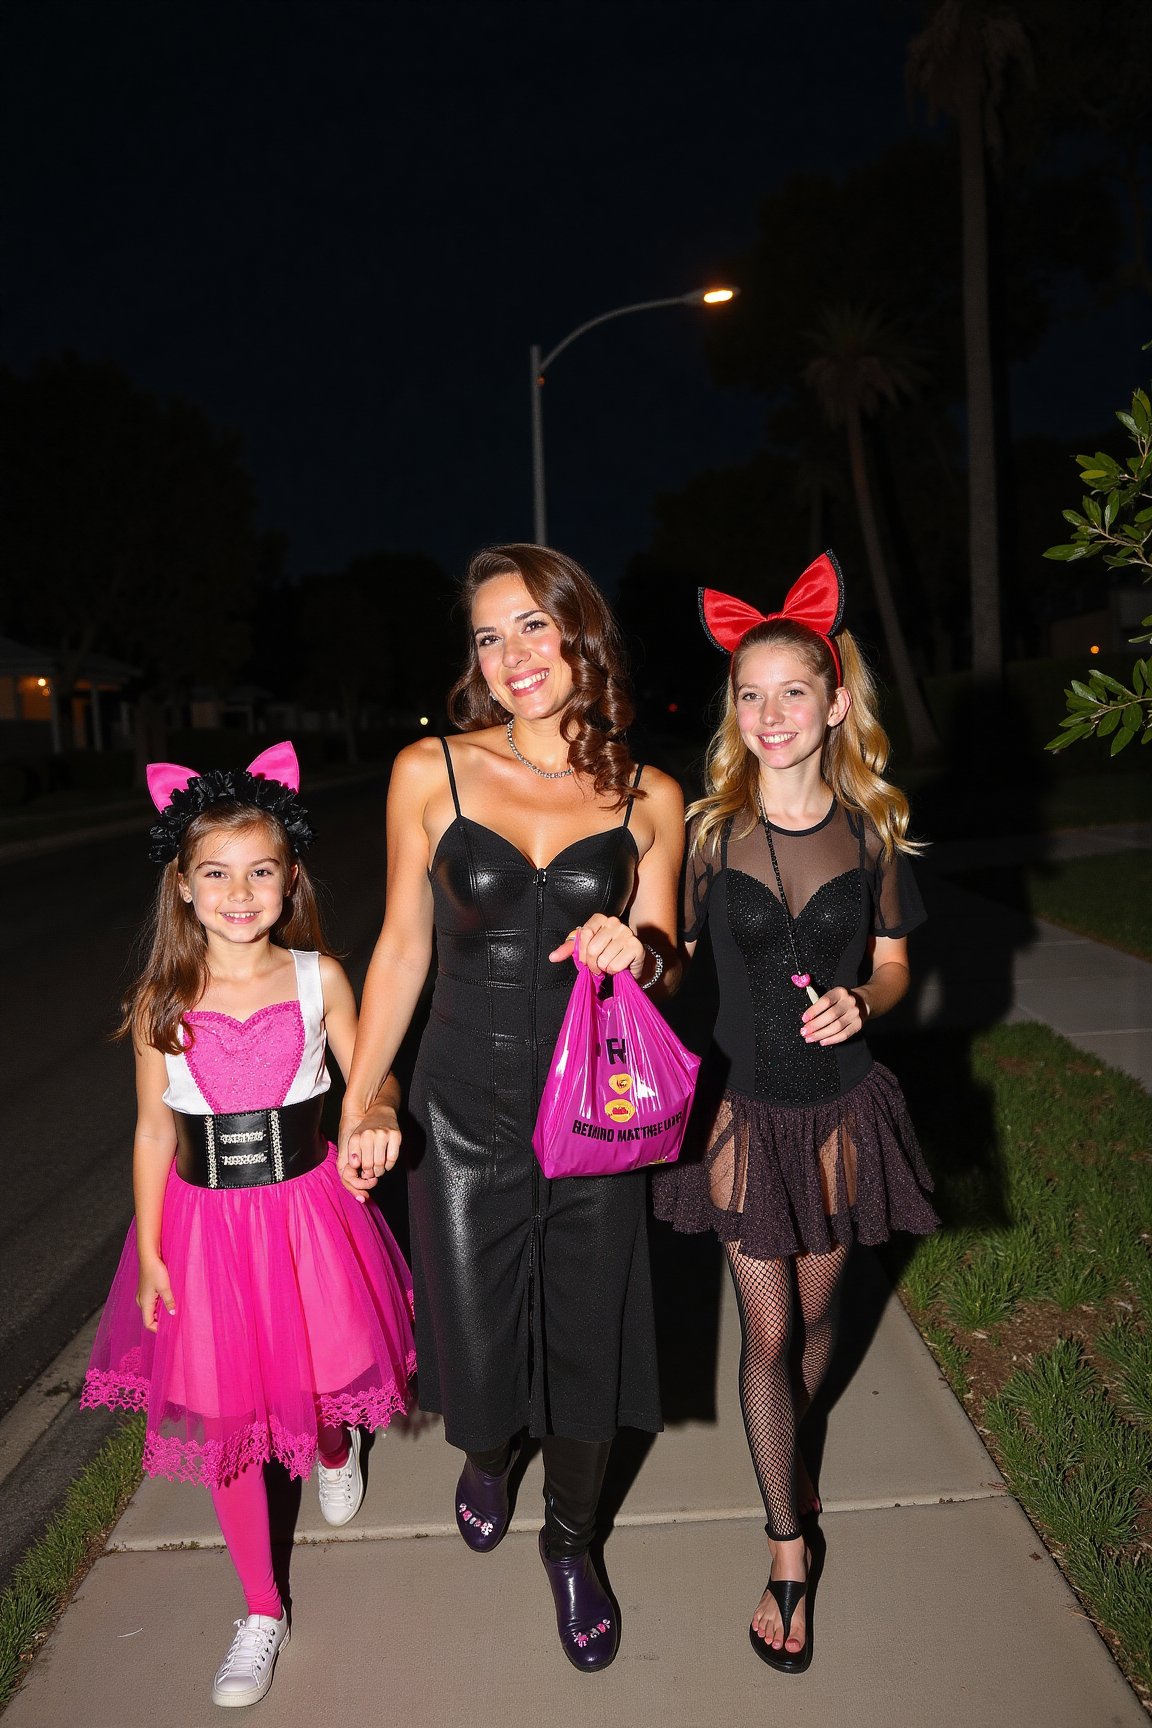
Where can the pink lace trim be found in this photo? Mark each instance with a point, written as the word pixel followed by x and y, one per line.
pixel 213 1461
pixel 117 1391
pixel 372 1408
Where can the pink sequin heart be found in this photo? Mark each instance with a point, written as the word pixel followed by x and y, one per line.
pixel 801 979
pixel 246 1064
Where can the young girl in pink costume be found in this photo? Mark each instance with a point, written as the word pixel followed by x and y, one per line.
pixel 259 1310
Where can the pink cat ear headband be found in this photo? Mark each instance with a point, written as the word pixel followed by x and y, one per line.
pixel 815 599
pixel 270 782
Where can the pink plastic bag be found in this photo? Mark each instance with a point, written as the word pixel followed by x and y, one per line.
pixel 620 1086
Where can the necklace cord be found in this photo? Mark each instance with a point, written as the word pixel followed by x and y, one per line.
pixel 788 919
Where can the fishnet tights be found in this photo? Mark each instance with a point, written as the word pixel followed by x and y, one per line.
pixel 772 1404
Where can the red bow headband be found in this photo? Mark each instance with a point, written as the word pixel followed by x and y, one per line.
pixel 270 782
pixel 816 600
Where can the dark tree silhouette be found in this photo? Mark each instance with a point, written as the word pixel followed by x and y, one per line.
pixel 862 361
pixel 126 526
pixel 381 631
pixel 962 61
pixel 889 235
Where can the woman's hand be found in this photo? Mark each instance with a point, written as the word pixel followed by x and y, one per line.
pixel 154 1286
pixel 833 1018
pixel 604 945
pixel 368 1148
pixel 839 1014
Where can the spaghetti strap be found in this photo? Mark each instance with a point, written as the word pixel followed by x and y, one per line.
pixel 631 800
pixel 451 775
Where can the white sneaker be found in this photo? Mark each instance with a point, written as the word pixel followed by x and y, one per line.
pixel 341 1491
pixel 246 1672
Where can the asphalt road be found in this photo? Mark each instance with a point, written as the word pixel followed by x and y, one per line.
pixel 68 923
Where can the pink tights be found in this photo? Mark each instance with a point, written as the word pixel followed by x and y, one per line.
pixel 242 1509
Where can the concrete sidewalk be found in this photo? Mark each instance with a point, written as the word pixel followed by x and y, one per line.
pixel 978 963
pixel 938 1603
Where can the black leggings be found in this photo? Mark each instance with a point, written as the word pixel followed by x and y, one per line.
pixel 573 1477
pixel 772 1404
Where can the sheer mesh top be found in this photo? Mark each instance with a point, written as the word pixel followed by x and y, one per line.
pixel 840 892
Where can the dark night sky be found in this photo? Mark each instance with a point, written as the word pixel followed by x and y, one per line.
pixel 338 227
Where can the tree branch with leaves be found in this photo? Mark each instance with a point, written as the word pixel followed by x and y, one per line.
pixel 1113 523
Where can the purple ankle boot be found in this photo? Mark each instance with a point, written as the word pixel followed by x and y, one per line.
pixel 585 1614
pixel 482 1505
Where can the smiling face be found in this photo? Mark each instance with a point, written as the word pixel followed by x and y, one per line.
pixel 518 646
pixel 782 706
pixel 236 884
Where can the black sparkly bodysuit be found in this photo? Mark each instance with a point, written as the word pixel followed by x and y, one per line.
pixel 810 1145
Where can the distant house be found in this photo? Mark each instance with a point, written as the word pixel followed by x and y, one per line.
pixel 38 718
pixel 239 709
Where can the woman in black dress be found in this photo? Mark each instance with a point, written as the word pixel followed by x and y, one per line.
pixel 797 862
pixel 530 835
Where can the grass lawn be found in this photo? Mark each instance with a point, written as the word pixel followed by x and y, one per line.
pixel 1036 1298
pixel 1109 897
pixel 1086 800
pixel 43 1582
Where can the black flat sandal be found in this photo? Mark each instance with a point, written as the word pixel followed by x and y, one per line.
pixel 789 1594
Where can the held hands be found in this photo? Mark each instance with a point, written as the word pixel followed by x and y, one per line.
pixel 833 1018
pixel 368 1150
pixel 154 1286
pixel 604 945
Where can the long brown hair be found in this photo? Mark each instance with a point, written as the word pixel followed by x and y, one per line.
pixel 853 757
pixel 174 973
pixel 600 709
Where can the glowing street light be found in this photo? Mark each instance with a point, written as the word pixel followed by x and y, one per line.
pixel 538 366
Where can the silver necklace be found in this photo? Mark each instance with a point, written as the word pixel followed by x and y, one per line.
pixel 544 773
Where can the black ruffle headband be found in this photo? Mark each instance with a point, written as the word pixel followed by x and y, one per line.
pixel 227 786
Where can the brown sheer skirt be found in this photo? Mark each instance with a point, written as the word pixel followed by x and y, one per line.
pixel 798 1179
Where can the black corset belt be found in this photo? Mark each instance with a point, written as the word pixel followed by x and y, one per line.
pixel 250 1148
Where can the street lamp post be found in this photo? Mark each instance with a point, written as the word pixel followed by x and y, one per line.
pixel 539 365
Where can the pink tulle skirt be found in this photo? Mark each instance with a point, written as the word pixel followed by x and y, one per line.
pixel 293 1309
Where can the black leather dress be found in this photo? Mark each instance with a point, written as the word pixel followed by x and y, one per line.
pixel 533 1298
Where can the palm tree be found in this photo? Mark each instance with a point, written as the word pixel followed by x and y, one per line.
pixel 818 478
pixel 863 361
pixel 961 61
